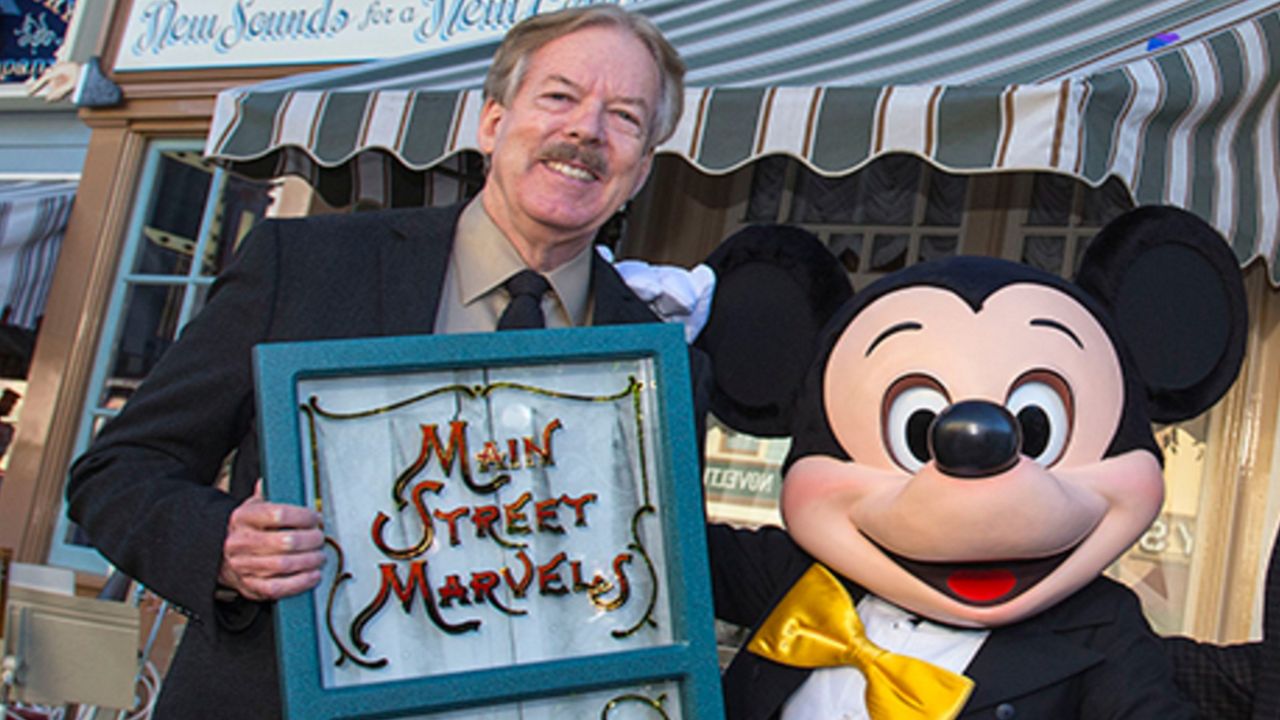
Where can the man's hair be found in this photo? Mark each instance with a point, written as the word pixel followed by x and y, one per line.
pixel 512 58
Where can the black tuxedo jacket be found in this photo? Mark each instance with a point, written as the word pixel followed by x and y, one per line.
pixel 144 490
pixel 1092 656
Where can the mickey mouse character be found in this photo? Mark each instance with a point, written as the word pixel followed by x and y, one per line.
pixel 971 449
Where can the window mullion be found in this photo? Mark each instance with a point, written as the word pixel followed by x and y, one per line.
pixel 212 206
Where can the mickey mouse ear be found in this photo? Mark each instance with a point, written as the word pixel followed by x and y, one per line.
pixel 776 286
pixel 1173 287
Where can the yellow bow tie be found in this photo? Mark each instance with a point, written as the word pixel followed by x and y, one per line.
pixel 816 626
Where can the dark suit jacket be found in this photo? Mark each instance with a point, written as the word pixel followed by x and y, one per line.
pixel 143 491
pixel 1092 656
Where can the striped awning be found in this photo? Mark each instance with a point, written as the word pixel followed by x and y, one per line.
pixel 1177 99
pixel 33 218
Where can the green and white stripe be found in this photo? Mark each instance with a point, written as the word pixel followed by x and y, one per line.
pixel 970 85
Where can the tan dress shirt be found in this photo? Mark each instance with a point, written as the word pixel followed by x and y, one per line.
pixel 473 298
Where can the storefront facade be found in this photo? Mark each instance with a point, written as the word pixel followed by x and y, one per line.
pixel 42 149
pixel 155 220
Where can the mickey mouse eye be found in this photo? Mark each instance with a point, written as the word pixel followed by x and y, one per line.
pixel 910 407
pixel 1041 401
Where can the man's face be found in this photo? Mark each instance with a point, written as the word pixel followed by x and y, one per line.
pixel 572 145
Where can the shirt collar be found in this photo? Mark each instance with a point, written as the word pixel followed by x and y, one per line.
pixel 485 259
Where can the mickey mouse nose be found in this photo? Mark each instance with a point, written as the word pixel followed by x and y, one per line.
pixel 975 439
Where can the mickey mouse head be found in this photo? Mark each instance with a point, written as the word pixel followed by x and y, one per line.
pixel 973 442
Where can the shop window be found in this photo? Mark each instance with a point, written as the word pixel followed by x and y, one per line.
pixel 896 212
pixel 1158 567
pixel 189 217
pixel 743 476
pixel 1052 218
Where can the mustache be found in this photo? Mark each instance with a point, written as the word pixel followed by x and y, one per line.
pixel 584 155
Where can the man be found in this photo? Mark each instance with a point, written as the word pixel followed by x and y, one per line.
pixel 575 103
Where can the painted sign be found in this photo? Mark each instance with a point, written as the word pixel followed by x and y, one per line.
pixel 512 521
pixel 187 34
pixel 486 515
pixel 31 31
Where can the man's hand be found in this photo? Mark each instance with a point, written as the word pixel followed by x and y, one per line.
pixel 272 550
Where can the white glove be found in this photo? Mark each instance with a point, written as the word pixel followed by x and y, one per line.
pixel 672 292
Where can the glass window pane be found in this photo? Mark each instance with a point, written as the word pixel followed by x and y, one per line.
pixel 946 197
pixel 821 199
pixel 739 444
pixel 848 248
pixel 889 190
pixel 1158 567
pixel 1050 201
pixel 242 204
pixel 768 176
pixel 115 393
pixel 742 476
pixel 148 328
pixel 884 193
pixel 935 247
pixel 1044 252
pixel 1104 204
pixel 164 253
pixel 1082 245
pixel 171 227
pixel 888 253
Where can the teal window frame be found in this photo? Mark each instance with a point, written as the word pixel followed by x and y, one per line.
pixel 63 552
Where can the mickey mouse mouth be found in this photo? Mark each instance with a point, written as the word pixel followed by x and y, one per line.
pixel 981 584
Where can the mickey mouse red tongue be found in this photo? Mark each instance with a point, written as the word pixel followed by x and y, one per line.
pixel 981 584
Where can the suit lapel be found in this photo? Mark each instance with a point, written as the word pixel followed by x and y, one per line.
pixel 1017 662
pixel 1036 653
pixel 412 265
pixel 762 686
pixel 615 304
pixel 756 688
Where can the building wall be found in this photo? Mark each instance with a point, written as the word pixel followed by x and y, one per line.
pixel 42 143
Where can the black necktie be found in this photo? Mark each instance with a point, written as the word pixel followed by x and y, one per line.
pixel 524 311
